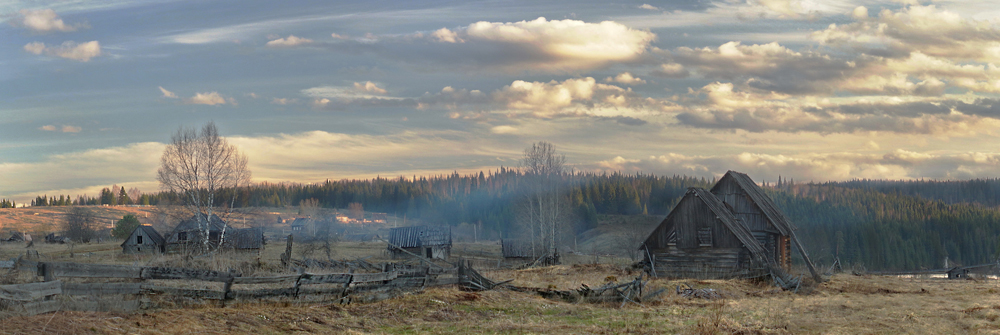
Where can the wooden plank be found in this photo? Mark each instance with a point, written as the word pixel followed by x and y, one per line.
pixel 321 291
pixel 81 270
pixel 180 273
pixel 374 277
pixel 40 307
pixel 266 280
pixel 6 264
pixel 451 271
pixel 32 291
pixel 440 281
pixel 262 293
pixel 334 278
pixel 101 305
pixel 103 288
pixel 193 293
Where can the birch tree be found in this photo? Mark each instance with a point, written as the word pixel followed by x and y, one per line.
pixel 546 204
pixel 198 167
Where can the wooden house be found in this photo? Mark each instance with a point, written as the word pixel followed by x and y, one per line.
pixel 308 228
pixel 519 250
pixel 189 235
pixel 733 231
pixel 144 239
pixel 426 241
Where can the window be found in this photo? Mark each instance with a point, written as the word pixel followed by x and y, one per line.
pixel 182 236
pixel 704 237
pixel 138 239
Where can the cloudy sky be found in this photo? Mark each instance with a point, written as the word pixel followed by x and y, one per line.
pixel 313 90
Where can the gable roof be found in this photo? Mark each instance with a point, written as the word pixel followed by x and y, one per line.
pixel 151 233
pixel 249 238
pixel 419 236
pixel 759 198
pixel 215 224
pixel 300 221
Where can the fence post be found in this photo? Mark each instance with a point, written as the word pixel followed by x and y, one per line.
pixel 227 288
pixel 287 256
pixel 298 281
pixel 343 294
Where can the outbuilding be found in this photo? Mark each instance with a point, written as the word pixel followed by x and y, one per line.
pixel 144 239
pixel 433 242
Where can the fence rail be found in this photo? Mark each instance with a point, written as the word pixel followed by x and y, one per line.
pixel 37 298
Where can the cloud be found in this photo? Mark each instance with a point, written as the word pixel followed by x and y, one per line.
pixel 167 94
pixel 70 50
pixel 503 130
pixel 339 37
pixel 282 101
pixel 788 8
pixel 208 98
pixel 369 87
pixel 289 41
pixel 64 128
pixel 540 44
pixel 625 78
pixel 671 70
pixel 647 6
pixel 43 21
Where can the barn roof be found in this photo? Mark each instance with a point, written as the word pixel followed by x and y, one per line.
pixel 420 236
pixel 151 233
pixel 761 199
pixel 249 238
pixel 516 248
pixel 300 222
pixel 216 224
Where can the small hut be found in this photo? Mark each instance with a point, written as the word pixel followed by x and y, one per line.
pixel 432 242
pixel 518 250
pixel 16 236
pixel 144 239
pixel 188 234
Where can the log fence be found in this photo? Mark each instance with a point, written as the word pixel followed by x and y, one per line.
pixel 59 291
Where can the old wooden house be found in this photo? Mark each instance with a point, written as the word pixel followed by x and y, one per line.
pixel 519 250
pixel 734 230
pixel 144 239
pixel 189 235
pixel 426 241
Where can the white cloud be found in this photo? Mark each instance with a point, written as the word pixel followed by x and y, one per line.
pixel 290 41
pixel 625 78
pixel 503 130
pixel 70 50
pixel 64 128
pixel 282 101
pixel 554 45
pixel 71 129
pixel 167 94
pixel 369 87
pixel 47 128
pixel 43 21
pixel 208 98
pixel 339 36
pixel 319 103
pixel 648 7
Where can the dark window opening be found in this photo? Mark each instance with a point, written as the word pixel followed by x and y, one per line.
pixel 182 236
pixel 212 236
pixel 138 239
pixel 705 237
pixel 429 254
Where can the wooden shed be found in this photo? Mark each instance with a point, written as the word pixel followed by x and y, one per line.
pixel 188 235
pixel 735 230
pixel 249 239
pixel 426 241
pixel 144 239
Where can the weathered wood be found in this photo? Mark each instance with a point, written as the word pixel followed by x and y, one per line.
pixel 82 270
pixel 266 280
pixel 321 291
pixel 103 288
pixel 179 273
pixel 6 264
pixel 334 278
pixel 287 256
pixel 40 307
pixel 440 281
pixel 374 277
pixel 193 293
pixel 101 305
pixel 29 292
pixel 262 293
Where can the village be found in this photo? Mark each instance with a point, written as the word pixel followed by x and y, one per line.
pixel 716 252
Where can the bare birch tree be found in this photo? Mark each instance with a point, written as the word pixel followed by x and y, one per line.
pixel 546 205
pixel 199 166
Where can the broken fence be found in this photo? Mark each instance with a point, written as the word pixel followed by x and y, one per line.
pixel 38 298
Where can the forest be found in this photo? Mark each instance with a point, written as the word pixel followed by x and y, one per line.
pixel 878 224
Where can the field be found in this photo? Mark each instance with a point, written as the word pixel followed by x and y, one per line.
pixel 846 304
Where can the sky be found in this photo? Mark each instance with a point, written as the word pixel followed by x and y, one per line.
pixel 91 91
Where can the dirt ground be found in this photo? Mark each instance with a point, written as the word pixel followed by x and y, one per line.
pixel 846 304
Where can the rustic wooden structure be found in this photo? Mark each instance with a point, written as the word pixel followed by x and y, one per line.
pixel 518 250
pixel 433 242
pixel 144 239
pixel 733 231
pixel 249 239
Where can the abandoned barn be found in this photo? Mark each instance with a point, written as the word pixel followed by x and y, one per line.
pixel 188 233
pixel 427 241
pixel 144 239
pixel 248 239
pixel 733 231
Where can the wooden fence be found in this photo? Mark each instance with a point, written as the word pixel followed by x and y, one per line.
pixel 56 292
